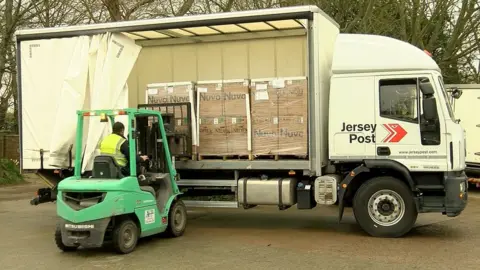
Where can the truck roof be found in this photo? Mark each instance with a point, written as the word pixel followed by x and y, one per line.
pixel 177 25
pixel 356 53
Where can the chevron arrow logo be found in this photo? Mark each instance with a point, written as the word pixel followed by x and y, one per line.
pixel 395 133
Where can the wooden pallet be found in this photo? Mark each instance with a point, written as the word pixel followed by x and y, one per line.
pixel 278 157
pixel 251 157
pixel 186 157
pixel 224 157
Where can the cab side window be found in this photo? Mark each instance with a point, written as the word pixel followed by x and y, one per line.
pixel 399 99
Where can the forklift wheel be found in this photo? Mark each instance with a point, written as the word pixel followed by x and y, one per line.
pixel 58 241
pixel 125 236
pixel 177 219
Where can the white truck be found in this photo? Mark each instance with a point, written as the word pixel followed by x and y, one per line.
pixel 465 97
pixel 380 133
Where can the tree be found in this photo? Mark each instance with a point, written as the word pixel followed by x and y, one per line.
pixel 449 29
pixel 14 14
pixel 123 10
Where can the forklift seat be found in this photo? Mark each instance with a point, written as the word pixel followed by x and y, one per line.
pixel 106 167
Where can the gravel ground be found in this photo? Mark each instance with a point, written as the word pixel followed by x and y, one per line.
pixel 259 238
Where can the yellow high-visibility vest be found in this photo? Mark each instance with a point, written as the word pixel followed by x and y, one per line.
pixel 110 146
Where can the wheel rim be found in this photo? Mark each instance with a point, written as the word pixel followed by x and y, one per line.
pixel 128 236
pixel 178 219
pixel 386 207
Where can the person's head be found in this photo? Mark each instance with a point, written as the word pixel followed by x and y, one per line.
pixel 118 128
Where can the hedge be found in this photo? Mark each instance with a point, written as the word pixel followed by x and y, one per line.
pixel 9 172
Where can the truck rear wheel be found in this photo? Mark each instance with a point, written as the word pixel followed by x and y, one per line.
pixel 59 242
pixel 125 236
pixel 177 219
pixel 384 207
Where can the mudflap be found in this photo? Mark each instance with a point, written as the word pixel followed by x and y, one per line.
pixel 89 234
pixel 456 197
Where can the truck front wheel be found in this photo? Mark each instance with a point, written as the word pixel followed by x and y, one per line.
pixel 384 207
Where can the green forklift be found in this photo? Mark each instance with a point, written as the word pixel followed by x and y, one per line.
pixel 108 207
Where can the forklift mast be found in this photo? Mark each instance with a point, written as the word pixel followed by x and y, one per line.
pixel 177 120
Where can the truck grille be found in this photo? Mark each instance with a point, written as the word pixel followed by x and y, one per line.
pixel 82 200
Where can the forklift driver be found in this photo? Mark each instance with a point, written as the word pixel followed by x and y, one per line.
pixel 116 145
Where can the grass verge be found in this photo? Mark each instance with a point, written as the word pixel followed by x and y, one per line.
pixel 10 173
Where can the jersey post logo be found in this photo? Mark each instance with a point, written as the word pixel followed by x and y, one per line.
pixel 395 133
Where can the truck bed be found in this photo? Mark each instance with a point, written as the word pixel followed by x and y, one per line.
pixel 243 165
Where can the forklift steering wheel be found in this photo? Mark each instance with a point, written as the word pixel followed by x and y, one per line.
pixel 143 169
pixel 146 165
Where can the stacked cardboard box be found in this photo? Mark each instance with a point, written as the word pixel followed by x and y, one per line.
pixel 222 112
pixel 279 111
pixel 221 115
pixel 174 93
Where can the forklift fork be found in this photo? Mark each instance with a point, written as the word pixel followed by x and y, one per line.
pixel 51 178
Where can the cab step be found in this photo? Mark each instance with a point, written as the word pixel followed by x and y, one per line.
pixel 431 187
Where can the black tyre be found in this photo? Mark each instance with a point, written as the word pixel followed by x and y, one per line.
pixel 125 236
pixel 177 219
pixel 384 207
pixel 59 243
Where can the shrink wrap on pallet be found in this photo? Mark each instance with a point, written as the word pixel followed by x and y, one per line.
pixel 223 108
pixel 223 136
pixel 279 111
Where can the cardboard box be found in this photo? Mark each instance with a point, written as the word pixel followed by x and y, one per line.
pixel 235 97
pixel 223 136
pixel 175 93
pixel 216 98
pixel 212 136
pixel 210 99
pixel 293 98
pixel 222 108
pixel 264 99
pixel 293 136
pixel 172 93
pixel 279 108
pixel 264 135
pixel 237 135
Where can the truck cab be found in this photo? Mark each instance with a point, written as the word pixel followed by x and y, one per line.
pixel 389 111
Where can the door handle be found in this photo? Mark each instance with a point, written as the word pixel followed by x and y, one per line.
pixel 383 151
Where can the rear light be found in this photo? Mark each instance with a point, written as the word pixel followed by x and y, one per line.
pixel 113 113
pixel 428 53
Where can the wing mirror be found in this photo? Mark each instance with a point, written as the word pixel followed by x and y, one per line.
pixel 456 93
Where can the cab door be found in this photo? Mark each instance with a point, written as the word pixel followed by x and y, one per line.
pixel 404 132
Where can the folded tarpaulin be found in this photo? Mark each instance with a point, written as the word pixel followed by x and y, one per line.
pixel 61 76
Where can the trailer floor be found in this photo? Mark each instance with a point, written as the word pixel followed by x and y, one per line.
pixel 261 238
